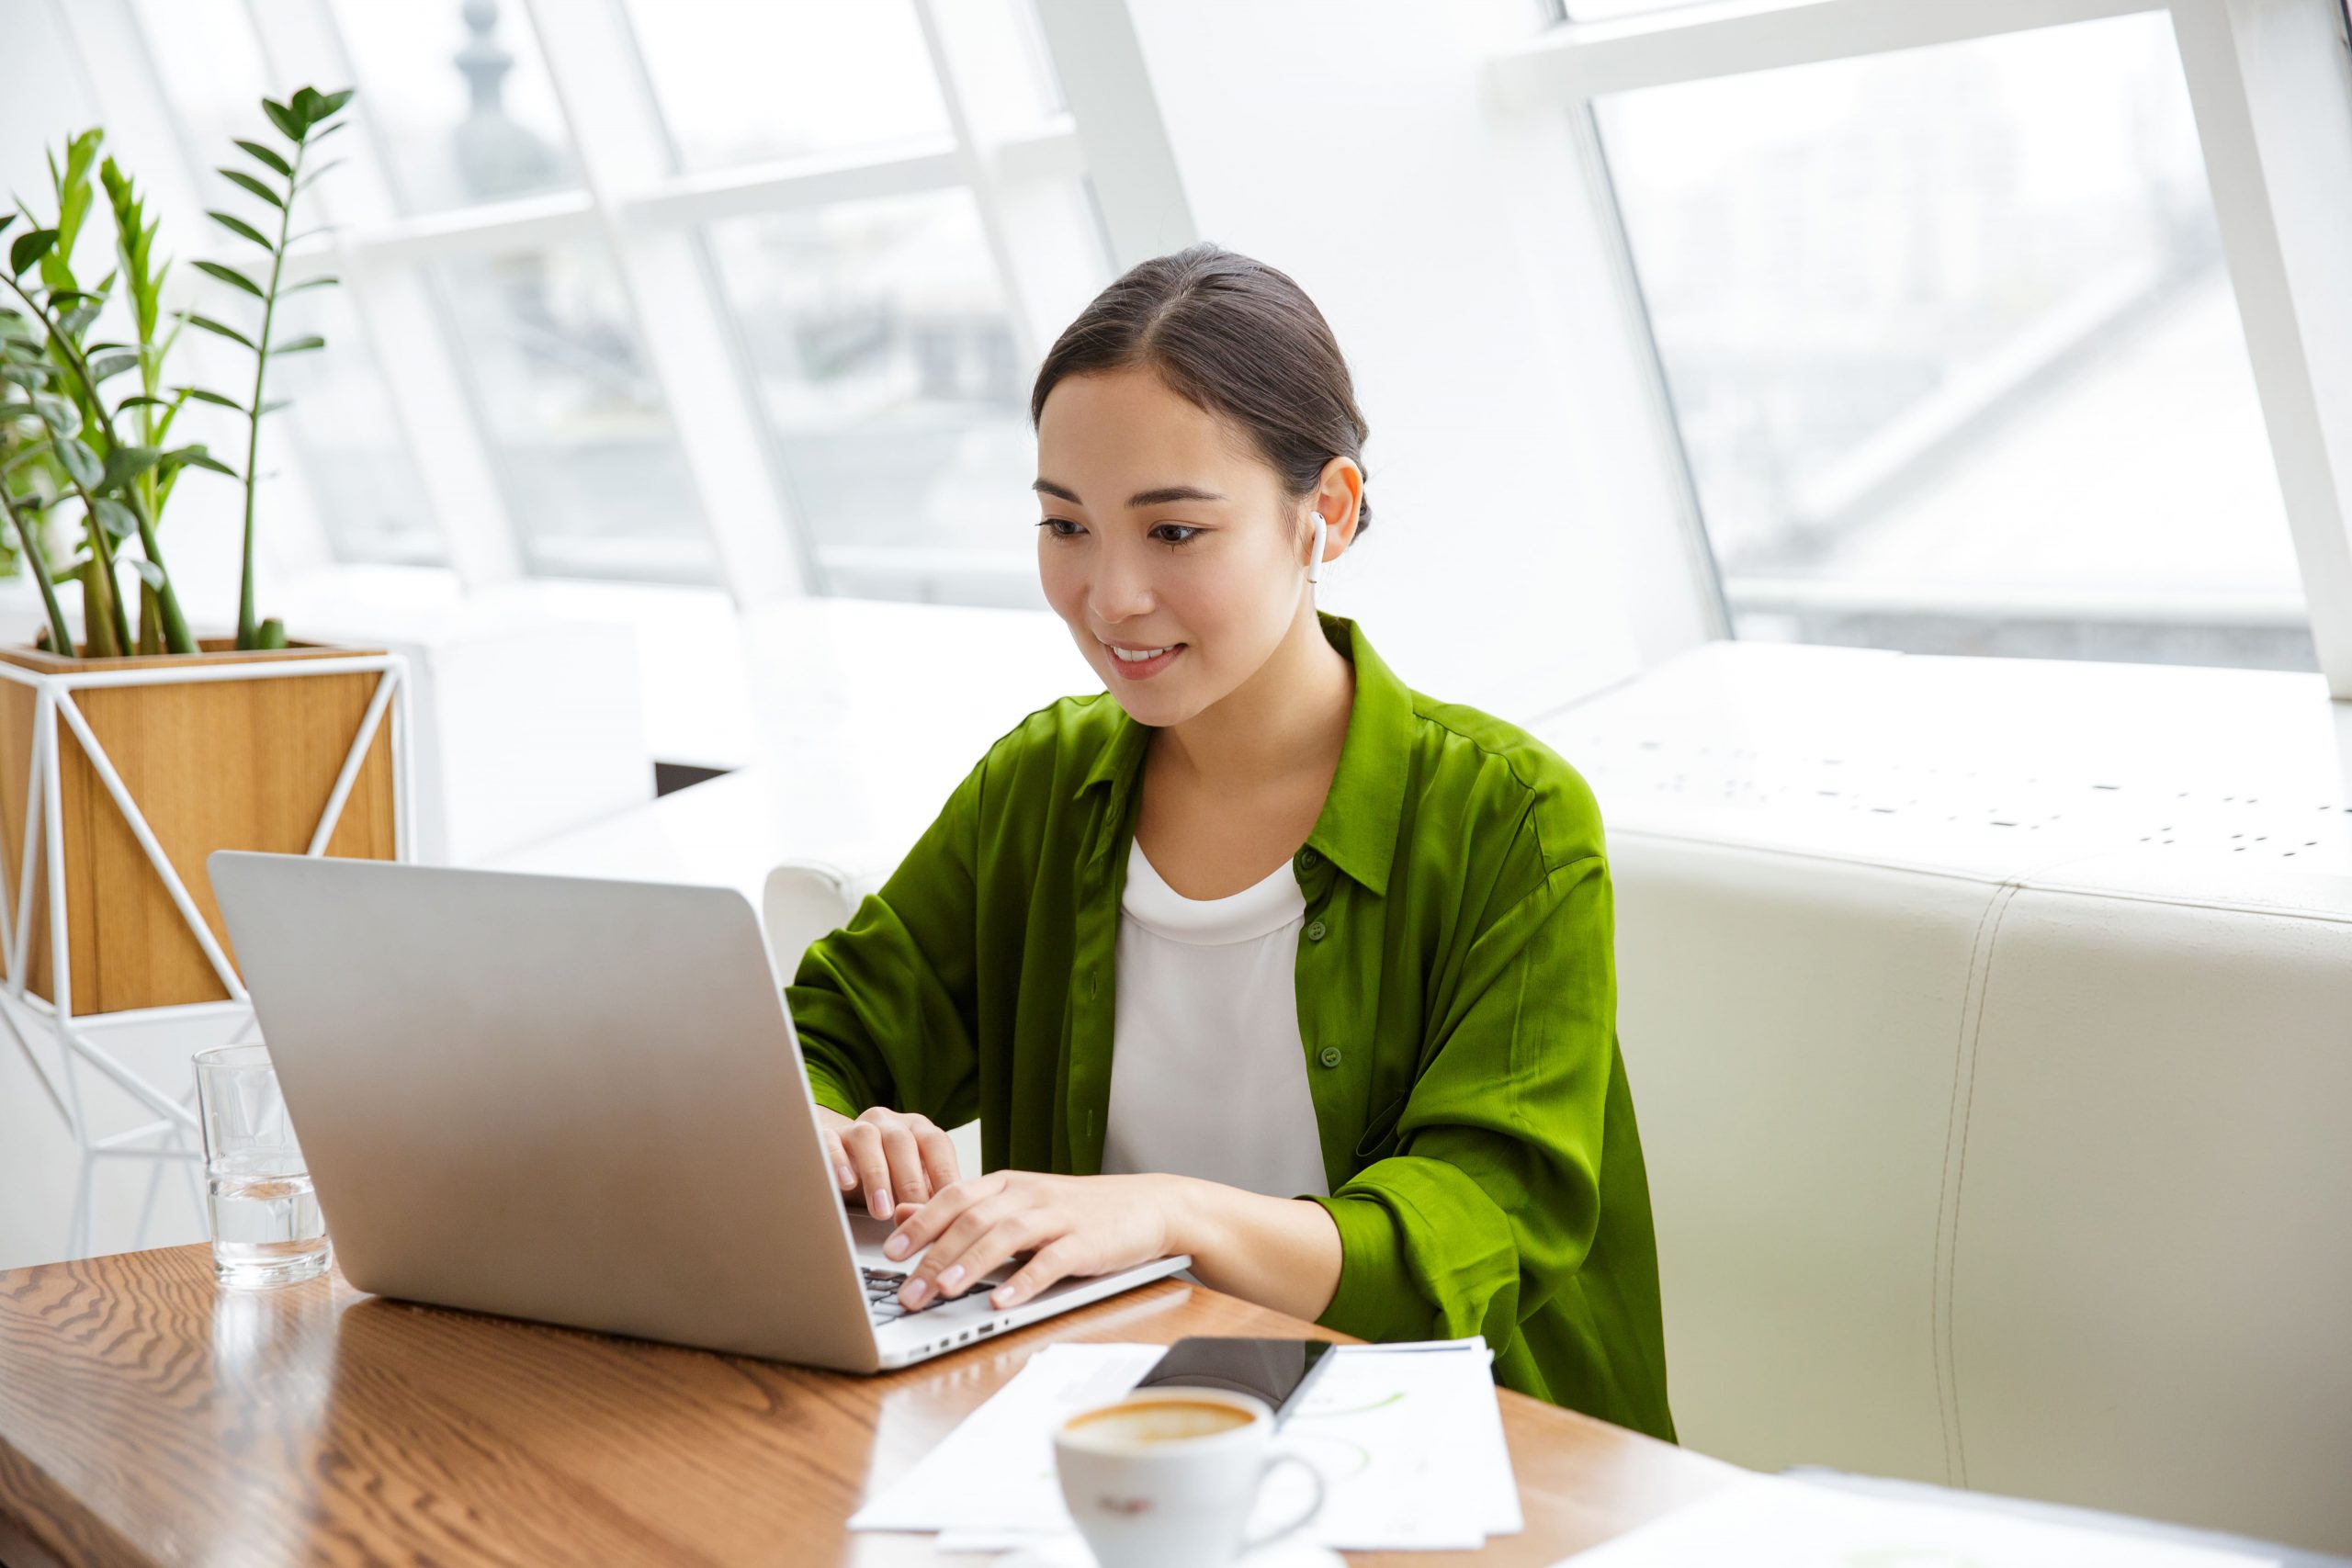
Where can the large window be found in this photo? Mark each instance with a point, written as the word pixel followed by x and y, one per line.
pixel 1946 333
pixel 703 292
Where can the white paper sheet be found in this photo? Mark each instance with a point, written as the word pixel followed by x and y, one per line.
pixel 1408 1439
pixel 1787 1524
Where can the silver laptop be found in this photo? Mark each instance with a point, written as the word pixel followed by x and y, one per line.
pixel 578 1102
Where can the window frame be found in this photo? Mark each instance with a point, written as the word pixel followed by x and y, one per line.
pixel 2270 87
pixel 648 214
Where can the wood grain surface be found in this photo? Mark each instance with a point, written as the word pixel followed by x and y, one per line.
pixel 148 1417
pixel 223 764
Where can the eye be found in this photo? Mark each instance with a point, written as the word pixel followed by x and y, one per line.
pixel 1184 528
pixel 1054 525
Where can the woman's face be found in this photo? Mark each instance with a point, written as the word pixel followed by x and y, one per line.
pixel 1163 530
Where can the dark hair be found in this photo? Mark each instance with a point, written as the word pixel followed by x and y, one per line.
pixel 1233 337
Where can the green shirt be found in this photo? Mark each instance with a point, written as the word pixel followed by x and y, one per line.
pixel 1456 998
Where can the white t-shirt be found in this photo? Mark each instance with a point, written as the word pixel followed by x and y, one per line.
pixel 1208 1074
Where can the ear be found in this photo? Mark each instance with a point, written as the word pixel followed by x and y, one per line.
pixel 1337 495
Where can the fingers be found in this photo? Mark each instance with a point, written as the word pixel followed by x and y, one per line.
pixel 837 1161
pixel 938 1157
pixel 953 1264
pixel 907 1178
pixel 920 1229
pixel 863 1142
pixel 1051 1264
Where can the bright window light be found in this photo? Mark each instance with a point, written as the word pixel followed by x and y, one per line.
pixel 888 374
pixel 592 469
pixel 810 76
pixel 1953 352
pixel 461 100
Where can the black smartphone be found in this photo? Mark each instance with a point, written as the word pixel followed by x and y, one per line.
pixel 1277 1370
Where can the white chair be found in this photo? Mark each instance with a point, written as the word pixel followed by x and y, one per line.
pixel 803 900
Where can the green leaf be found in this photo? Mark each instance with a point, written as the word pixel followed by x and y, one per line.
pixel 196 458
pixel 318 135
pixel 125 463
pixel 29 376
pixel 240 178
pixel 78 321
pixel 232 333
pixel 117 519
pixel 106 365
pixel 30 248
pixel 79 461
pixel 323 280
pixel 230 276
pixel 300 345
pixel 202 395
pixel 282 118
pixel 272 634
pixel 240 228
pixel 142 401
pixel 268 158
pixel 307 181
pixel 35 449
pixel 274 404
pixel 6 219
pixel 57 413
pixel 333 102
pixel 148 572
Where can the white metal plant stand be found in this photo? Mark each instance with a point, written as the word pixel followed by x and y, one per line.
pixel 172 1135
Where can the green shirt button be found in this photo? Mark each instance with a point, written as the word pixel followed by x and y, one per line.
pixel 1315 932
pixel 1328 1055
pixel 1306 859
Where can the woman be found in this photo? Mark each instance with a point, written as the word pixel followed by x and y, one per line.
pixel 1257 955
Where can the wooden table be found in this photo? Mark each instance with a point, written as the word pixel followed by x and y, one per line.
pixel 147 1415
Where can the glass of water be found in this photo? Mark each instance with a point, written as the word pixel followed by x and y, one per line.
pixel 267 1229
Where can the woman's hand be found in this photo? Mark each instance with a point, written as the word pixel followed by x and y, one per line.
pixel 887 1157
pixel 1068 1225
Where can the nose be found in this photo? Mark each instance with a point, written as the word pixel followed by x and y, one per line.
pixel 1119 587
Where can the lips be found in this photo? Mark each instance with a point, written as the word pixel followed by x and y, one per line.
pixel 1145 669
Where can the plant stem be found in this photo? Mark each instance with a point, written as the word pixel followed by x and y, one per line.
pixel 175 633
pixel 101 595
pixel 60 635
pixel 248 622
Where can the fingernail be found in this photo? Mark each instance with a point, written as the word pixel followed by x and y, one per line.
pixel 881 1204
pixel 846 1177
pixel 1006 1295
pixel 895 1246
pixel 951 1277
pixel 917 1290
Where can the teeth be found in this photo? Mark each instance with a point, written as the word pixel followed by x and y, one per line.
pixel 1138 658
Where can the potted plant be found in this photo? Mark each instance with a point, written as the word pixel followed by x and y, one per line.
pixel 152 747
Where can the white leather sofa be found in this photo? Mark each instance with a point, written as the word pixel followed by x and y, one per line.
pixel 1990 1027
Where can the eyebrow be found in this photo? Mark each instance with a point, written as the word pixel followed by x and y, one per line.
pixel 1141 498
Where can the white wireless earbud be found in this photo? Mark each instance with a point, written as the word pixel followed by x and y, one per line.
pixel 1315 556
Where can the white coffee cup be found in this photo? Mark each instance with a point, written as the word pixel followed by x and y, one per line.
pixel 1166 1477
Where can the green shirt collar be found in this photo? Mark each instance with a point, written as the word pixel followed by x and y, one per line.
pixel 1357 829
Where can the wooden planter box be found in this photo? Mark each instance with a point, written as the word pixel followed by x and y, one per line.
pixel 221 763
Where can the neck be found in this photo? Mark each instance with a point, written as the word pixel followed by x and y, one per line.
pixel 1289 719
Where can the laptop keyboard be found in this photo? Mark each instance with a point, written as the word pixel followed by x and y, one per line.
pixel 882 1294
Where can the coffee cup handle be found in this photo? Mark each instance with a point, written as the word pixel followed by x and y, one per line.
pixel 1306 1515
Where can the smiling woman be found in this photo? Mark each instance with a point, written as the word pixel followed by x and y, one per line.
pixel 1258 955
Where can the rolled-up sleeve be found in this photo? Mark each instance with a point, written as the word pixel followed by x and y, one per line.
pixel 1491 1202
pixel 885 1007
